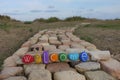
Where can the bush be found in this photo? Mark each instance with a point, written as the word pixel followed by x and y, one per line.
pixel 53 19
pixel 28 22
pixel 39 20
pixel 75 18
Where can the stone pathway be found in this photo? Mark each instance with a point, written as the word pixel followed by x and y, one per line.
pixel 99 66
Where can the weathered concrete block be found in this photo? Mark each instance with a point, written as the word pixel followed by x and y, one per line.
pixel 112 67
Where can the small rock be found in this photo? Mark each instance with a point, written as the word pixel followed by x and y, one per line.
pixel 49 47
pixel 43 39
pixel 56 67
pixel 86 66
pixel 75 39
pixel 10 71
pixel 52 38
pixel 31 67
pixel 33 40
pixel 55 42
pixel 111 66
pixel 40 75
pixel 16 78
pixel 76 45
pixel 98 75
pixel 99 55
pixel 44 44
pixel 63 47
pixel 66 42
pixel 68 75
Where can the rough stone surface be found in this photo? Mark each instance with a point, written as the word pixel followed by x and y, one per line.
pixel 33 40
pixel 56 67
pixel 43 39
pixel 66 42
pixel 10 71
pixel 87 66
pixel 76 45
pixel 112 66
pixel 68 75
pixel 26 44
pixel 55 42
pixel 99 55
pixel 16 78
pixel 63 47
pixel 49 47
pixel 40 75
pixel 20 52
pixel 31 67
pixel 9 62
pixel 98 75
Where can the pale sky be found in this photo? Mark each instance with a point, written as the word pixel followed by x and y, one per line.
pixel 32 9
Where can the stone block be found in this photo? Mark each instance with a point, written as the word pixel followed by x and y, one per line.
pixel 68 75
pixel 111 66
pixel 98 75
pixel 87 66
pixel 99 55
pixel 10 71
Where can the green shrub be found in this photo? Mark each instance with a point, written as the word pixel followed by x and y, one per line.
pixel 28 22
pixel 40 20
pixel 53 19
pixel 75 18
